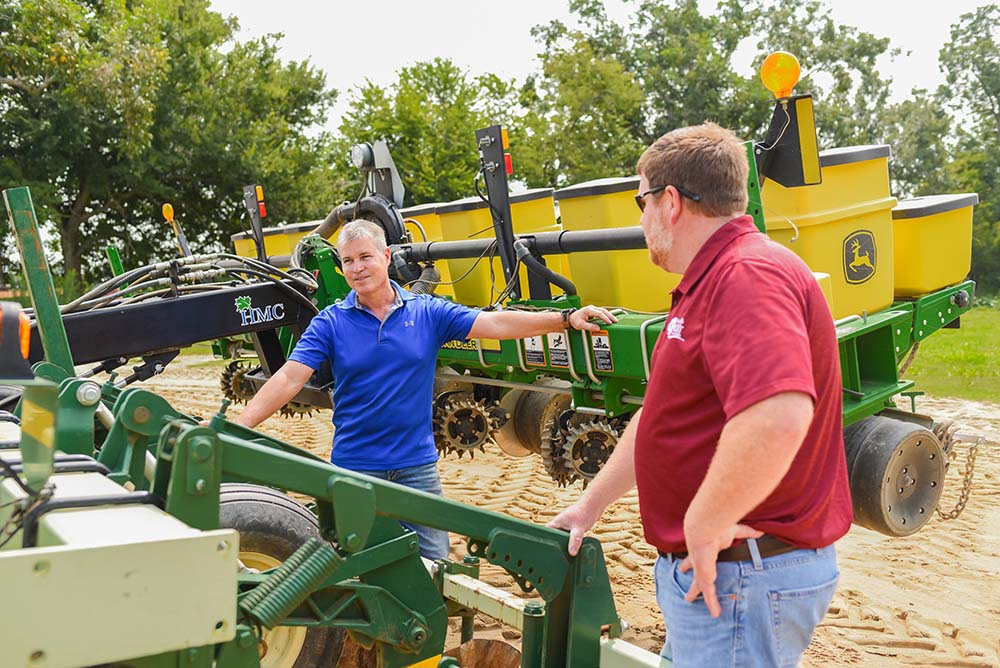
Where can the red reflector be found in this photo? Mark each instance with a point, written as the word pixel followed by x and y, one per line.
pixel 508 164
pixel 263 210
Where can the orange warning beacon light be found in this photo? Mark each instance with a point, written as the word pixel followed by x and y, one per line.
pixel 780 72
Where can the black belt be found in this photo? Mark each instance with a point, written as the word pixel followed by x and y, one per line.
pixel 768 546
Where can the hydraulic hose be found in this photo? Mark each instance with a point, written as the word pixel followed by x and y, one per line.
pixel 429 278
pixel 533 265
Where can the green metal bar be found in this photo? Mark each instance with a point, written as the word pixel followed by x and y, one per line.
pixel 754 207
pixel 21 212
pixel 532 638
pixel 115 260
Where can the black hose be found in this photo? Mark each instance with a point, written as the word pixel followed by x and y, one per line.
pixel 533 265
pixel 429 278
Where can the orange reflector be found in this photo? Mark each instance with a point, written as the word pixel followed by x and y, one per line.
pixel 168 212
pixel 508 164
pixel 262 209
pixel 260 194
pixel 504 139
pixel 780 72
pixel 24 329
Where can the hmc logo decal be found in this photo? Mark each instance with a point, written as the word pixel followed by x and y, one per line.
pixel 251 315
pixel 859 257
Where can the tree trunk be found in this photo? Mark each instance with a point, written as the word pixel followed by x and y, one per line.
pixel 71 219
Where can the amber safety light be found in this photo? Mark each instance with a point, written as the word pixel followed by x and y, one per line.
pixel 780 72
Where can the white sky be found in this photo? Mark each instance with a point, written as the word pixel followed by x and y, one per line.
pixel 352 41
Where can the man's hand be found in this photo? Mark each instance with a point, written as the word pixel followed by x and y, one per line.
pixel 703 553
pixel 580 318
pixel 577 519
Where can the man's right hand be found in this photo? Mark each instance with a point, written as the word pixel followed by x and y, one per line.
pixel 577 519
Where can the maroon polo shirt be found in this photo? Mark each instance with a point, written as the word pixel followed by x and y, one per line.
pixel 748 321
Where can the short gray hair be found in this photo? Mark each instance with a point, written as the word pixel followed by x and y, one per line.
pixel 362 229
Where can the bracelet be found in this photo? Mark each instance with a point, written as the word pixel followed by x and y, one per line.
pixel 566 313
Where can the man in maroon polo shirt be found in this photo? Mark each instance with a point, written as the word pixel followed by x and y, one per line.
pixel 738 450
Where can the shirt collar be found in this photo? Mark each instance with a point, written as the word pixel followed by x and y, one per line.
pixel 710 251
pixel 351 300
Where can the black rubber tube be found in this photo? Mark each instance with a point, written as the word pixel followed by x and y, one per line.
pixel 540 269
pixel 544 243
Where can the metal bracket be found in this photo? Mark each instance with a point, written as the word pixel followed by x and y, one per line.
pixel 535 563
pixel 353 527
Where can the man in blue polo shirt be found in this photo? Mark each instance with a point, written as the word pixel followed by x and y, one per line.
pixel 382 344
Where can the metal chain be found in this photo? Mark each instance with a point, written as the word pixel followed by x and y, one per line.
pixel 970 465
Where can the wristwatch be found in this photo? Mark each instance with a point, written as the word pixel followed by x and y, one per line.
pixel 566 313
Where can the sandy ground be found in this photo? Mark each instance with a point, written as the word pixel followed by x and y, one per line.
pixel 932 599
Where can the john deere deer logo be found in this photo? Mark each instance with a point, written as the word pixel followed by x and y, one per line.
pixel 859 257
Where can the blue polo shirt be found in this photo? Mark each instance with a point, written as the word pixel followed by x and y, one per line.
pixel 383 375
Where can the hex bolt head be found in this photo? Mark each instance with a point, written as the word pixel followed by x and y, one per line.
pixel 353 541
pixel 418 635
pixel 200 485
pixel 88 394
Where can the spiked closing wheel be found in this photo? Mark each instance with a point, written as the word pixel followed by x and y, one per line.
pixel 234 384
pixel 463 424
pixel 588 447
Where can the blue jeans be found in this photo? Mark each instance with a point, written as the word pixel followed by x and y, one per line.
pixel 434 543
pixel 769 610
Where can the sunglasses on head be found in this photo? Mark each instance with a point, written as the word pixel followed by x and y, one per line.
pixel 640 199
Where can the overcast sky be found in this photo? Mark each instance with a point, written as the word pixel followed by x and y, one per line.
pixel 352 41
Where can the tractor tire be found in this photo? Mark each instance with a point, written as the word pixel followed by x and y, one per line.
pixel 9 396
pixel 272 526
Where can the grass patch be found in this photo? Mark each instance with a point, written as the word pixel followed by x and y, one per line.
pixel 962 363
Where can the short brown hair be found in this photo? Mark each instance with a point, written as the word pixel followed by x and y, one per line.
pixel 705 159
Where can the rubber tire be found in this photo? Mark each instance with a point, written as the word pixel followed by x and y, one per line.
pixel 9 396
pixel 275 524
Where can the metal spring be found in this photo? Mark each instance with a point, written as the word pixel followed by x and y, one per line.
pixel 291 591
pixel 250 600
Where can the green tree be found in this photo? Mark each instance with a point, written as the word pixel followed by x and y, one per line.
pixel 919 131
pixel 583 113
pixel 971 61
pixel 428 117
pixel 113 107
pixel 839 63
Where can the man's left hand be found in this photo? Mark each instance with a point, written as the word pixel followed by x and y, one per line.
pixel 580 318
pixel 703 553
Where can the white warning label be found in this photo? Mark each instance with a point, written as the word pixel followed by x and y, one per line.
pixel 534 351
pixel 558 350
pixel 601 345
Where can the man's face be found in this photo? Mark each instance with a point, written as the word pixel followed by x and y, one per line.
pixel 656 224
pixel 365 267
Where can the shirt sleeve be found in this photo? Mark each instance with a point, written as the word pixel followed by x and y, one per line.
pixel 316 344
pixel 756 338
pixel 454 321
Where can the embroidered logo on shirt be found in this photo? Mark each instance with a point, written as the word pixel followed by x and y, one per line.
pixel 675 329
pixel 408 323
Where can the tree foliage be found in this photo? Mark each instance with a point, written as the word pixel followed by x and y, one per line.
pixel 428 117
pixel 113 107
pixel 971 61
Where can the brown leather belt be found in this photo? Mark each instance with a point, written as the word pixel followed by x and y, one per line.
pixel 768 546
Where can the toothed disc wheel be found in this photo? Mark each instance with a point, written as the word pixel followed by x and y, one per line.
pixel 552 448
pixel 465 425
pixel 296 408
pixel 235 386
pixel 588 447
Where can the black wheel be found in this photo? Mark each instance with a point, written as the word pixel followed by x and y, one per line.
pixel 896 471
pixel 272 526
pixel 9 396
